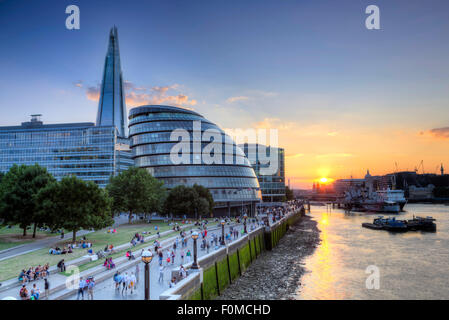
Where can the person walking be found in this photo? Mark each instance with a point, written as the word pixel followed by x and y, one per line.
pixel 46 288
pixel 117 280
pixel 125 281
pixel 132 282
pixel 173 257
pixel 90 289
pixel 81 286
pixel 182 255
pixel 161 274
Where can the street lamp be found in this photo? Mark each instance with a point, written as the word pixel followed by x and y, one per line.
pixel 222 232
pixel 244 223
pixel 147 256
pixel 195 262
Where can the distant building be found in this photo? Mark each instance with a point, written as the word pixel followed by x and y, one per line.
pixel 420 193
pixel 88 151
pixel 341 185
pixel 271 185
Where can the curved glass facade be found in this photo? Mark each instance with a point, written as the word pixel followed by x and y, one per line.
pixel 230 178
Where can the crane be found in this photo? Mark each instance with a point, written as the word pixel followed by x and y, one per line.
pixel 421 164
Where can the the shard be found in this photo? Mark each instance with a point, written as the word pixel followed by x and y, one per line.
pixel 111 107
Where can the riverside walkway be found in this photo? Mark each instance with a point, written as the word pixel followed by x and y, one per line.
pixel 105 288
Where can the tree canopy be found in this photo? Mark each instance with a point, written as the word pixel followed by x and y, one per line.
pixel 75 204
pixel 192 201
pixel 136 191
pixel 18 196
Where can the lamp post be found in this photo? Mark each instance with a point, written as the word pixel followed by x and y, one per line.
pixel 195 262
pixel 244 223
pixel 222 232
pixel 147 256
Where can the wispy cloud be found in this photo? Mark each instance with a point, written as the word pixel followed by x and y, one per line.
pixel 294 156
pixel 141 95
pixel 440 133
pixel 235 99
pixel 334 155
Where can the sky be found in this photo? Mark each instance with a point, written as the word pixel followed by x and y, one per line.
pixel 343 98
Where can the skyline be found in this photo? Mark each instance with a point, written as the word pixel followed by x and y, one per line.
pixel 344 99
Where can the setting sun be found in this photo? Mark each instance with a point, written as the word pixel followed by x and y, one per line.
pixel 324 180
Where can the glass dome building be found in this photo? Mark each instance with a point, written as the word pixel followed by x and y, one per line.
pixel 230 177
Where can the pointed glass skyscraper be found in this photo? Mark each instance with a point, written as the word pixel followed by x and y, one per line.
pixel 112 108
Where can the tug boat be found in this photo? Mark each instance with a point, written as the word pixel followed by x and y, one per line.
pixel 423 224
pixel 389 224
pixel 393 225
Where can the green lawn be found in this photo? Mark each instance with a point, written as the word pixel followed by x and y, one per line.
pixel 6 245
pixel 10 268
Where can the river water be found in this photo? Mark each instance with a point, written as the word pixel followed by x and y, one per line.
pixel 412 265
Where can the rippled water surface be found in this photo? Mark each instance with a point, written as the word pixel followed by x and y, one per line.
pixel 412 265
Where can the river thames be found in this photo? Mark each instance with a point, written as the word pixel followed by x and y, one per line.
pixel 412 265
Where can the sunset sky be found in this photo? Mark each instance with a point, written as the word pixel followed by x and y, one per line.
pixel 344 99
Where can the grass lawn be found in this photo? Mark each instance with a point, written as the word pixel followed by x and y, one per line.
pixel 10 268
pixel 6 245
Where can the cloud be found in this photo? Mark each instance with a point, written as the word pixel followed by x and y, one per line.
pixel 93 93
pixel 78 83
pixel 234 99
pixel 274 123
pixel 440 133
pixel 141 95
pixel 334 155
pixel 293 156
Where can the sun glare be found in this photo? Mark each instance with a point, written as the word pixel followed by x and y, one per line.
pixel 324 180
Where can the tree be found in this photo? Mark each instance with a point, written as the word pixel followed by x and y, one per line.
pixel 19 204
pixel 136 191
pixel 192 201
pixel 75 204
pixel 289 194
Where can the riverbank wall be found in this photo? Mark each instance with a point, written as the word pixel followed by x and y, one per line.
pixel 222 267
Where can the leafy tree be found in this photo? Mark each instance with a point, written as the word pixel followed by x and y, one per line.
pixel 75 204
pixel 289 194
pixel 136 191
pixel 205 194
pixel 191 201
pixel 19 204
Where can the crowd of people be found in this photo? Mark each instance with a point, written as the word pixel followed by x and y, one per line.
pixel 34 273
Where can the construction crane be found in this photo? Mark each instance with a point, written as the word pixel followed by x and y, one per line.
pixel 421 164
pixel 396 165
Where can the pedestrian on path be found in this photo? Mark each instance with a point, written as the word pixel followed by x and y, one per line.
pixel 90 289
pixel 81 286
pixel 47 288
pixel 132 282
pixel 125 282
pixel 161 274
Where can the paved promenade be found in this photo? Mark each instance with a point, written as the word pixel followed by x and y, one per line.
pixel 106 289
